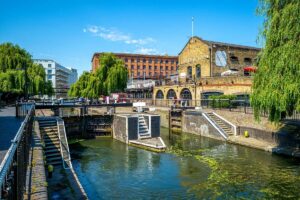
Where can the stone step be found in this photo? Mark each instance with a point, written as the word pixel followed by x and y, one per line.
pixel 52 143
pixel 53 146
pixel 54 163
pixel 53 154
pixel 53 159
pixel 47 140
pixel 53 150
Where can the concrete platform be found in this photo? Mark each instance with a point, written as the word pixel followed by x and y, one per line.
pixel 154 144
pixel 9 126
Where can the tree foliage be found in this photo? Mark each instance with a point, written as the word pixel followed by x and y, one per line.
pixel 276 86
pixel 111 76
pixel 13 63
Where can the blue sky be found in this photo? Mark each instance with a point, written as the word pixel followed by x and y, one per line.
pixel 70 31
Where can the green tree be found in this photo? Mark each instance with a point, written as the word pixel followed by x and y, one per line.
pixel 111 76
pixel 14 61
pixel 276 86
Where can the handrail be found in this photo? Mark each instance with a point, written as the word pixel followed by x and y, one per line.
pixel 63 147
pixel 234 126
pixel 215 126
pixel 9 156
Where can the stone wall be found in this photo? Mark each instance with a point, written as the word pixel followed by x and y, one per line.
pixel 120 128
pixel 194 122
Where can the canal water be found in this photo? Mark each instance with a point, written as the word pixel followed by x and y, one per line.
pixel 193 167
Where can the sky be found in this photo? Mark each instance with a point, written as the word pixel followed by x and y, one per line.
pixel 71 31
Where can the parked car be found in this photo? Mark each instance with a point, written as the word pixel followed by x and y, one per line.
pixel 230 72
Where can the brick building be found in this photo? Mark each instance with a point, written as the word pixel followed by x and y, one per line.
pixel 144 66
pixel 201 64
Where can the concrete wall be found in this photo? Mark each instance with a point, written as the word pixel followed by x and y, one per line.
pixel 164 116
pixel 194 122
pixel 120 128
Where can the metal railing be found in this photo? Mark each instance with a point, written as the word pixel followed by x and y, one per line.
pixel 14 165
pixel 63 141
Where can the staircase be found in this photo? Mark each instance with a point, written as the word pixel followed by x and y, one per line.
pixel 49 132
pixel 143 128
pixel 225 128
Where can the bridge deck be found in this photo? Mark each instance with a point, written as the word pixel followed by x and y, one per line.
pixel 9 126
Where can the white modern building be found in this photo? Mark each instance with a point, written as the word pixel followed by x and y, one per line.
pixel 60 76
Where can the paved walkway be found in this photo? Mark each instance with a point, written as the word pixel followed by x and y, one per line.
pixel 9 126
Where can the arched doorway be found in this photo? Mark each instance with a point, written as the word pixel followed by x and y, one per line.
pixel 185 97
pixel 159 94
pixel 171 94
pixel 159 98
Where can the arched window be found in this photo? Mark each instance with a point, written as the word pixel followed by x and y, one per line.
pixel 186 94
pixel 159 95
pixel 171 94
pixel 198 71
pixel 189 72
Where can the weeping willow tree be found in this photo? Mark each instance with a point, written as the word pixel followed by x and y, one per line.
pixel 111 76
pixel 13 63
pixel 276 86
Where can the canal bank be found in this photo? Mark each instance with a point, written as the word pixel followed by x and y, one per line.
pixel 193 167
pixel 283 139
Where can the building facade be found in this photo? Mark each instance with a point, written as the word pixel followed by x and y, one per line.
pixel 60 76
pixel 144 66
pixel 201 64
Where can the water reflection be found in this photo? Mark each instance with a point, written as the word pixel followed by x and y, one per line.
pixel 193 168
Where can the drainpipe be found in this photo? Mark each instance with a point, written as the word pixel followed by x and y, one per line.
pixel 210 60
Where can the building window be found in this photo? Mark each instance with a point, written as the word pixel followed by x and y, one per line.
pixel 248 61
pixel 144 67
pixel 138 73
pixel 172 68
pixel 198 71
pixel 126 59
pixel 138 67
pixel 126 66
pixel 138 60
pixel 49 65
pixel 189 72
pixel 144 60
pixel 132 66
pixel 166 61
pixel 150 61
pixel 156 60
pixel 150 67
pixel 221 58
pixel 167 68
pixel 234 59
pixel 161 61
pixel 172 61
pixel 166 74
pixel 150 73
pixel 49 71
pixel 49 77
pixel 132 60
pixel 155 67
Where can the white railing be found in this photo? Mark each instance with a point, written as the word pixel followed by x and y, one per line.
pixel 228 122
pixel 141 84
pixel 9 156
pixel 215 126
pixel 64 147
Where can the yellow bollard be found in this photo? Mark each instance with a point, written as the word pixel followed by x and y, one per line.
pixel 246 134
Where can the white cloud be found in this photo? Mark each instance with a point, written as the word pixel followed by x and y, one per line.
pixel 144 50
pixel 116 35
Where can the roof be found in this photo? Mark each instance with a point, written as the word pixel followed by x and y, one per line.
pixel 137 55
pixel 208 42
